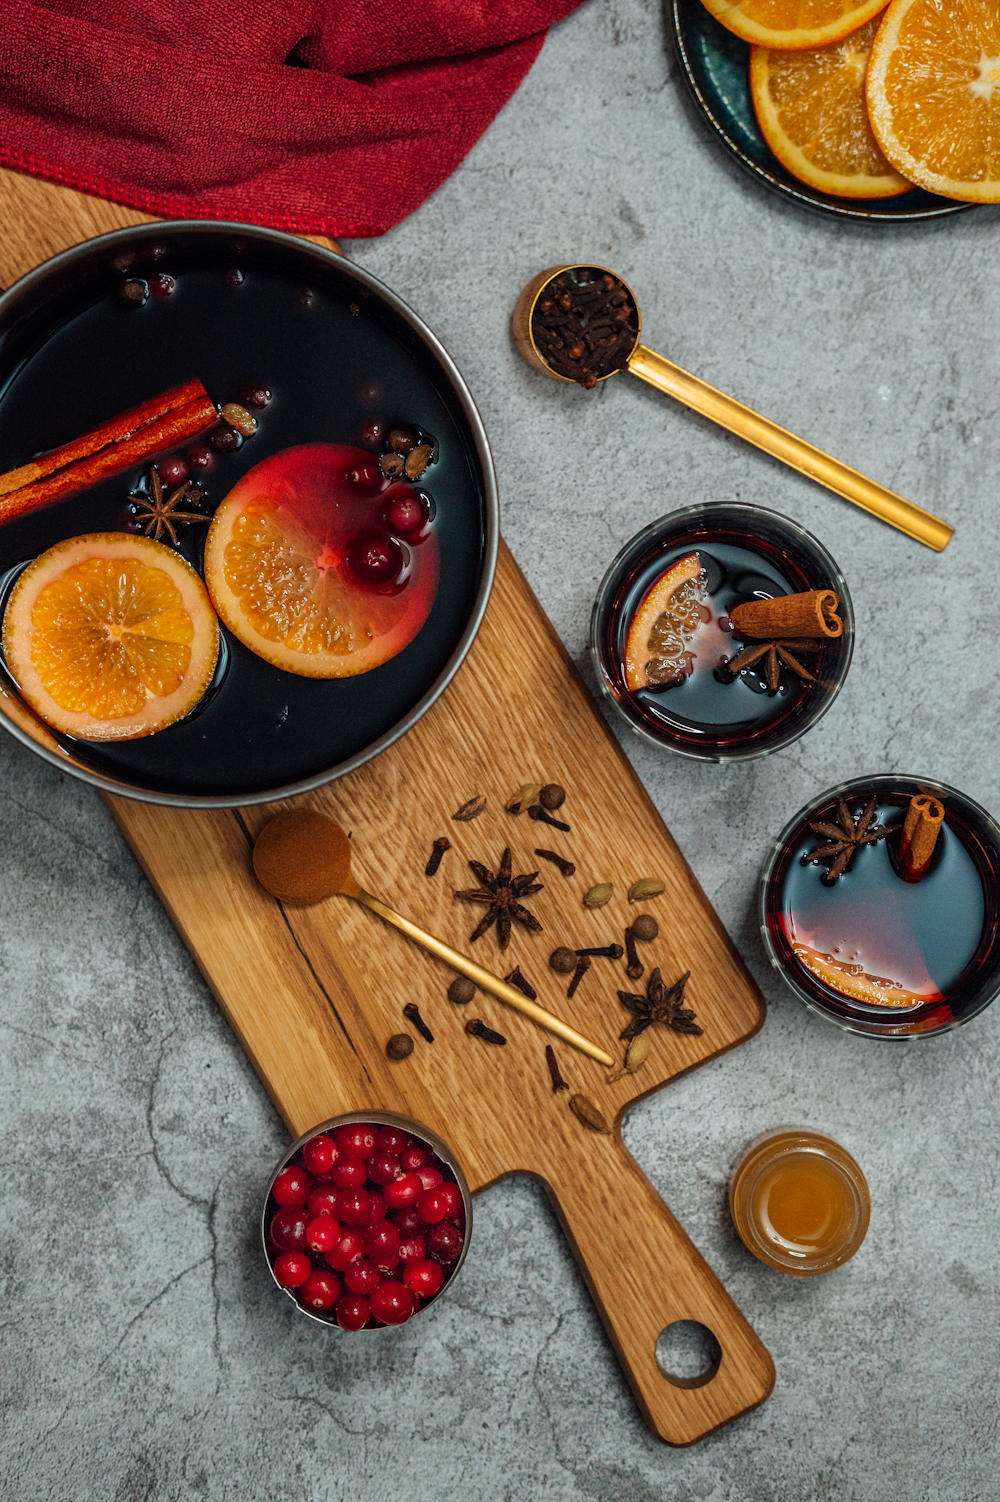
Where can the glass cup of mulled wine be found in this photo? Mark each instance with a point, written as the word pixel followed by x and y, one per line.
pixel 879 905
pixel 722 632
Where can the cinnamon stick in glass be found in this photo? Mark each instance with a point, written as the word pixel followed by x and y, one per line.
pixel 921 828
pixel 812 613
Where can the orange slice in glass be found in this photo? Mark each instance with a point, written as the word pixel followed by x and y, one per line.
pixel 811 109
pixel 854 981
pixel 110 637
pixel 793 24
pixel 933 95
pixel 657 650
pixel 278 565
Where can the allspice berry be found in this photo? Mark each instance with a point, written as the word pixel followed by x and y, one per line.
pixel 563 960
pixel 461 990
pixel 552 796
pixel 645 927
pixel 399 1046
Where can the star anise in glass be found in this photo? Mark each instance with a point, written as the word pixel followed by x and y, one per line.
pixel 500 895
pixel 659 1005
pixel 781 650
pixel 158 514
pixel 845 838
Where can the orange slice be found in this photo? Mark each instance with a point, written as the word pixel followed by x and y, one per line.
pixel 278 566
pixel 793 24
pixel 110 637
pixel 934 95
pixel 854 981
pixel 811 109
pixel 663 627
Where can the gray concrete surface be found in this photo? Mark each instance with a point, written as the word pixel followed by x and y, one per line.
pixel 145 1356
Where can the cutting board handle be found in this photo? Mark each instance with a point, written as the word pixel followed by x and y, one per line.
pixel 645 1274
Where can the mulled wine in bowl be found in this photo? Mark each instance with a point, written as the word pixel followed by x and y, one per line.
pixel 722 632
pixel 880 906
pixel 366 1221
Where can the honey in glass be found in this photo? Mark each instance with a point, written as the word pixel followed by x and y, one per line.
pixel 799 1202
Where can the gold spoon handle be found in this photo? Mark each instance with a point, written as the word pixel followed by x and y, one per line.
pixel 767 435
pixel 482 978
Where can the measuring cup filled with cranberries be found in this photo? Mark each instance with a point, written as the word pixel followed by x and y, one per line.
pixel 366 1221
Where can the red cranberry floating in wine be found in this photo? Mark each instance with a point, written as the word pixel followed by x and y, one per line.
pixel 353 1312
pixel 323 1200
pixel 200 458
pixel 348 1249
pixel 391 1140
pixel 372 432
pixel 383 1168
pixel 292 1186
pixel 172 471
pixel 425 1278
pixel 362 1277
pixel 320 1154
pixel 377 560
pixel 366 475
pixel 355 1140
pixel 406 514
pixel 403 1192
pixel 161 285
pixel 322 1234
pixel 320 1291
pixel 292 1269
pixel 348 1173
pixel 256 396
pixel 444 1241
pixel 413 1249
pixel 392 1303
pixel 288 1230
pixel 353 1206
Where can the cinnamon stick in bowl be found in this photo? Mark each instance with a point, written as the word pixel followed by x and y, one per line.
pixel 812 613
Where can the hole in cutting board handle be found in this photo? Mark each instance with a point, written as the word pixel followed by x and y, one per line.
pixel 688 1354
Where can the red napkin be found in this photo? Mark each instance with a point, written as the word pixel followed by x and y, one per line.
pixel 188 108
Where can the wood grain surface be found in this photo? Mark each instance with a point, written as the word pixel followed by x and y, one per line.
pixel 313 994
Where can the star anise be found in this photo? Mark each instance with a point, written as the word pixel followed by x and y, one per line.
pixel 845 838
pixel 500 895
pixel 659 1005
pixel 158 514
pixel 778 651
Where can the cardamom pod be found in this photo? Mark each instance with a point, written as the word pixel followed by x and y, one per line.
pixel 524 797
pixel 471 810
pixel 588 1114
pixel 646 886
pixel 600 895
pixel 635 1056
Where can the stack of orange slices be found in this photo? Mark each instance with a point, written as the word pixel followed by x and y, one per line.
pixel 863 100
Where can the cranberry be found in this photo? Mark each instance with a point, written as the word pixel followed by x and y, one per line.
pixel 288 1230
pixel 392 1303
pixel 321 1290
pixel 161 285
pixel 322 1234
pixel 403 1192
pixel 172 471
pixel 257 397
pixel 405 514
pixel 436 1162
pixel 372 432
pixel 378 1208
pixel 444 1241
pixel 383 1168
pixel 425 1278
pixel 292 1186
pixel 362 1276
pixel 381 1239
pixel 349 1173
pixel 352 1312
pixel 366 475
pixel 200 458
pixel 155 252
pixel 412 1159
pixel 323 1201
pixel 355 1140
pixel 234 277
pixel 292 1269
pixel 391 1140
pixel 225 440
pixel 376 560
pixel 413 1249
pixel 320 1154
pixel 429 1177
pixel 408 1222
pixel 456 1205
pixel 433 1206
pixel 353 1206
pixel 348 1249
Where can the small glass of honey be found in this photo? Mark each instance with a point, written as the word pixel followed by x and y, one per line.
pixel 799 1202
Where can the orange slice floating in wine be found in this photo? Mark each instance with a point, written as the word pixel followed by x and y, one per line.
pixel 657 651
pixel 110 637
pixel 854 981
pixel 282 560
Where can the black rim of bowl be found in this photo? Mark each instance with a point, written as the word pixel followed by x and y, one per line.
pixel 33 285
pixel 688 18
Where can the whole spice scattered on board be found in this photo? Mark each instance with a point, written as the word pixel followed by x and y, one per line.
pixel 470 810
pixel 636 1054
pixel 563 960
pixel 527 794
pixel 541 815
pixel 438 850
pixel 399 1046
pixel 608 952
pixel 660 1004
pixel 585 324
pixel 500 894
pixel 478 1029
pixel 600 895
pixel 844 840
pixel 551 797
pixel 412 1012
pixel 645 927
pixel 582 966
pixel 646 887
pixel 515 978
pixel 566 867
pixel 555 1074
pixel 635 967
pixel 461 991
pixel 589 1114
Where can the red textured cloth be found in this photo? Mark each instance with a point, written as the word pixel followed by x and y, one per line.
pixel 188 107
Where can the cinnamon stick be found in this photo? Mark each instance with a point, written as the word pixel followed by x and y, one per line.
pixel 133 447
pixel 812 613
pixel 921 828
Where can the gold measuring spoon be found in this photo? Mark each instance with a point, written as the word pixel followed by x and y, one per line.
pixel 731 414
pixel 302 858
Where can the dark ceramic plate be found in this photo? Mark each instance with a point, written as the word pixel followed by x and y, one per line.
pixel 716 65
pixel 338 349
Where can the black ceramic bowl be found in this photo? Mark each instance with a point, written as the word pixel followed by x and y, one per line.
pixel 337 349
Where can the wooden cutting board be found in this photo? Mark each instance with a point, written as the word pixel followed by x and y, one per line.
pixel 313 994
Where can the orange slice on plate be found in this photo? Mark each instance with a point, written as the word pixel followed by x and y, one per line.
pixel 793 24
pixel 934 95
pixel 281 565
pixel 110 637
pixel 663 627
pixel 811 109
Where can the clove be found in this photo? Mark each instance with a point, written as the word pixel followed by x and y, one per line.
pixel 635 965
pixel 582 966
pixel 412 1011
pixel 558 1083
pixel 536 812
pixel 515 978
pixel 566 867
pixel 479 1029
pixel 609 952
pixel 440 846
